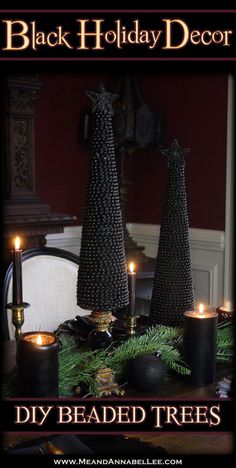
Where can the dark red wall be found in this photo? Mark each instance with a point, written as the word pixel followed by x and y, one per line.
pixel 195 107
pixel 61 154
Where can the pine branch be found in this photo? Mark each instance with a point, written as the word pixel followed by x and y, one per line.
pixel 172 359
pixel 224 357
pixel 77 366
pixel 164 332
pixel 225 343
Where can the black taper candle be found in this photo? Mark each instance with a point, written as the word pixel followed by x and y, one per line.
pixel 37 363
pixel 17 274
pixel 199 340
pixel 131 286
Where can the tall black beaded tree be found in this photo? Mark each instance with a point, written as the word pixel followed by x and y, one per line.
pixel 102 283
pixel 172 291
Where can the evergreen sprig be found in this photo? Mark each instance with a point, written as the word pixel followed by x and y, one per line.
pixel 77 366
pixel 225 343
pixel 157 339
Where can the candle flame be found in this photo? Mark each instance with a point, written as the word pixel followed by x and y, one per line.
pixel 39 340
pixel 131 267
pixel 201 309
pixel 228 305
pixel 17 243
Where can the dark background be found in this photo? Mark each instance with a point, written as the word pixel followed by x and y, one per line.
pixel 195 108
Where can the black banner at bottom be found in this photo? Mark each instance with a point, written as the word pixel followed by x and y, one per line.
pixel 117 416
pixel 185 461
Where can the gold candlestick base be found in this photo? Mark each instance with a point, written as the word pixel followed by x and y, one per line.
pixel 101 320
pixel 131 324
pixel 18 316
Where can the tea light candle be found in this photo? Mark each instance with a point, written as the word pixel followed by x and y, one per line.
pixel 131 285
pixel 225 312
pixel 37 361
pixel 199 340
pixel 17 274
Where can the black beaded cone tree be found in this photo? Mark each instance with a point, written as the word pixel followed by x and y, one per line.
pixel 102 278
pixel 172 291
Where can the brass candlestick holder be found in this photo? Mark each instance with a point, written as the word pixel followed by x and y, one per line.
pixel 18 316
pixel 131 324
pixel 101 320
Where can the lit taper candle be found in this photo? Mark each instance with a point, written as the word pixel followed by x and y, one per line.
pixel 17 273
pixel 131 283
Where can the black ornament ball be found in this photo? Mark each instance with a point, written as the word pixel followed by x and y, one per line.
pixel 147 372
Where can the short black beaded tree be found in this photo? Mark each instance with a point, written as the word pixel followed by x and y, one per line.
pixel 102 278
pixel 172 291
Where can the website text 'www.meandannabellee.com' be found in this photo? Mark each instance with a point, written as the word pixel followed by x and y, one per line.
pixel 118 461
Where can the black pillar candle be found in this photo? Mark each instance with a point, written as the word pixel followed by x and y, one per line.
pixel 131 286
pixel 199 340
pixel 17 274
pixel 37 361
